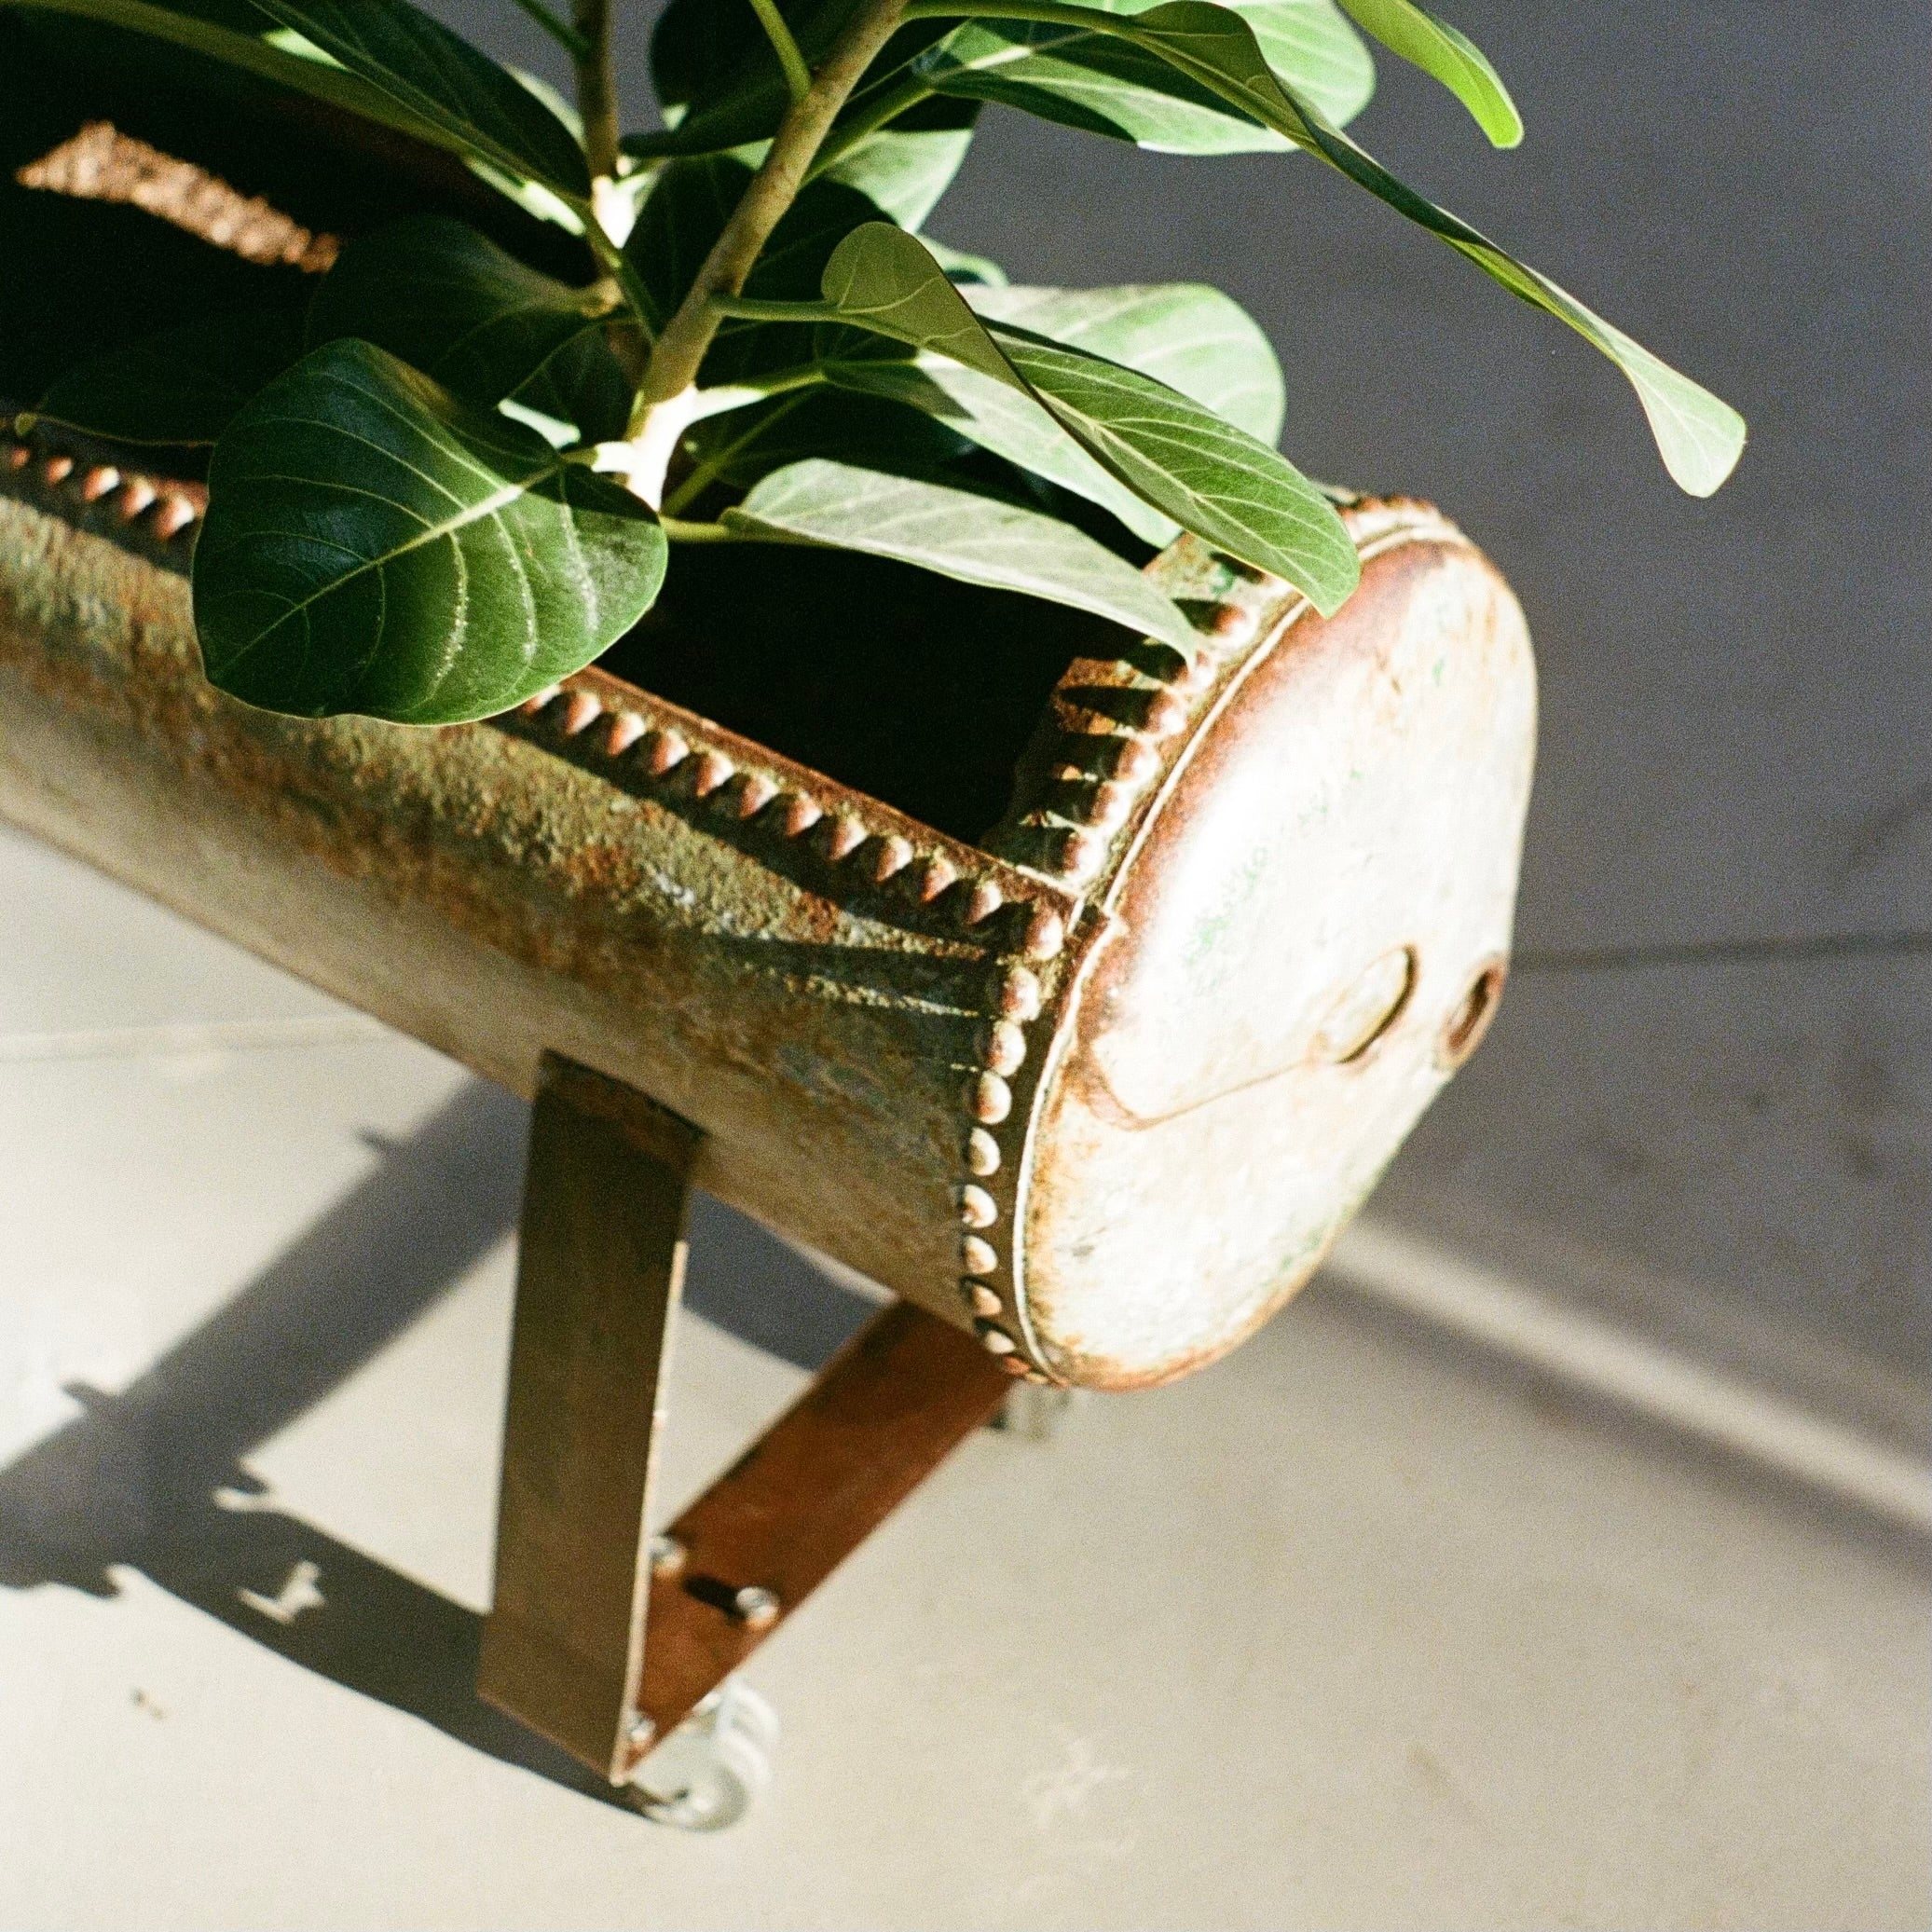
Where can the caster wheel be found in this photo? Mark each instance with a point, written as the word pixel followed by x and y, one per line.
pixel 705 1775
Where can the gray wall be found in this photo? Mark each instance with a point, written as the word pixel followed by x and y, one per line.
pixel 1738 738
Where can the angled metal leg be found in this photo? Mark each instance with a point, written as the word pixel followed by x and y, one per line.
pixel 599 1639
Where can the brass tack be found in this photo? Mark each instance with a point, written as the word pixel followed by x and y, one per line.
pixel 19 456
pixel 173 516
pixel 977 1255
pixel 938 875
pixel 581 712
pixel 1080 853
pixel 1136 760
pixel 995 1341
pixel 135 498
pixel 1109 803
pixel 982 1156
pixel 1233 624
pixel 758 792
pixel 894 855
pixel 537 700
pixel 59 469
pixel 667 1555
pixel 1015 1366
pixel 627 728
pixel 982 902
pixel 712 770
pixel 1016 992
pixel 977 1208
pixel 1003 1048
pixel 988 1099
pixel 847 836
pixel 982 1299
pixel 1166 715
pixel 756 1606
pixel 668 750
pixel 98 481
pixel 801 815
pixel 1046 933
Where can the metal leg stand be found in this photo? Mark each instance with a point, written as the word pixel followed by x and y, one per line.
pixel 601 1639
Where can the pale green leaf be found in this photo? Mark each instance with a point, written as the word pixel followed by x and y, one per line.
pixel 1440 52
pixel 957 534
pixel 1210 477
pixel 451 302
pixel 374 544
pixel 903 171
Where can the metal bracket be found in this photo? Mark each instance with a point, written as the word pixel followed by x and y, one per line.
pixel 580 1584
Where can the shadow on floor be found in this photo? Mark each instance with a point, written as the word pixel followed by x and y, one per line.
pixel 154 1478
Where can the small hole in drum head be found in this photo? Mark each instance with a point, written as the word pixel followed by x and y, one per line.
pixel 1473 1013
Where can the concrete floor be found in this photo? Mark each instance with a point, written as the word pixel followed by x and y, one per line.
pixel 1355 1629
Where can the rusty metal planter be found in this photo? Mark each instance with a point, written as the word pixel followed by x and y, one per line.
pixel 1101 1088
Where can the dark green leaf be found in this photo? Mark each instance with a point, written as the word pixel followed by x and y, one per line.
pixel 1104 84
pixel 1212 478
pixel 453 304
pixel 375 545
pixel 441 80
pixel 958 534
pixel 1185 335
pixel 1439 50
pixel 180 388
pixel 1699 437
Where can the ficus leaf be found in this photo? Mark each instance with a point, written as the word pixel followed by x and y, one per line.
pixel 1699 437
pixel 1440 52
pixel 440 79
pixel 374 544
pixel 449 302
pixel 1210 477
pixel 180 388
pixel 905 169
pixel 958 534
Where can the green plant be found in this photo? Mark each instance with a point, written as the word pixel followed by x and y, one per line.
pixel 467 477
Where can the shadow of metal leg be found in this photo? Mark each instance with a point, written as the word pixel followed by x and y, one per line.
pixel 597 1640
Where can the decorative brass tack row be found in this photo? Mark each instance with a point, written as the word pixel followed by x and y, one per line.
pixel 661 750
pixel 175 508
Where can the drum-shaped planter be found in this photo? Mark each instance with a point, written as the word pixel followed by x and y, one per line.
pixel 1099 1086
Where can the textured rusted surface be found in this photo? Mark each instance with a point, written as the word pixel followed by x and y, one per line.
pixel 1004 1080
pixel 1304 850
pixel 882 1415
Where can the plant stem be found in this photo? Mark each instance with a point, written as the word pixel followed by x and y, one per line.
pixel 681 347
pixel 596 86
pixel 798 77
pixel 560 31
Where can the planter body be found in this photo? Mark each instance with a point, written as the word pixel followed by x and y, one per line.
pixel 1103 1087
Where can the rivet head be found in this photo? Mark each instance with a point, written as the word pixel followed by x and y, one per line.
pixel 1233 624
pixel 1081 852
pixel 1016 992
pixel 755 1607
pixel 893 857
pixel 666 752
pixel 581 711
pixel 1135 761
pixel 977 1255
pixel 977 1208
pixel 538 700
pixel 981 1299
pixel 98 481
pixel 1003 1047
pixel 846 836
pixel 757 793
pixel 712 770
pixel 59 469
pixel 627 728
pixel 667 1555
pixel 1046 933
pixel 173 516
pixel 995 1341
pixel 18 455
pixel 1166 715
pixel 985 900
pixel 801 815
pixel 1016 1365
pixel 641 1734
pixel 1109 803
pixel 988 1099
pixel 983 1155
pixel 135 498
pixel 938 875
